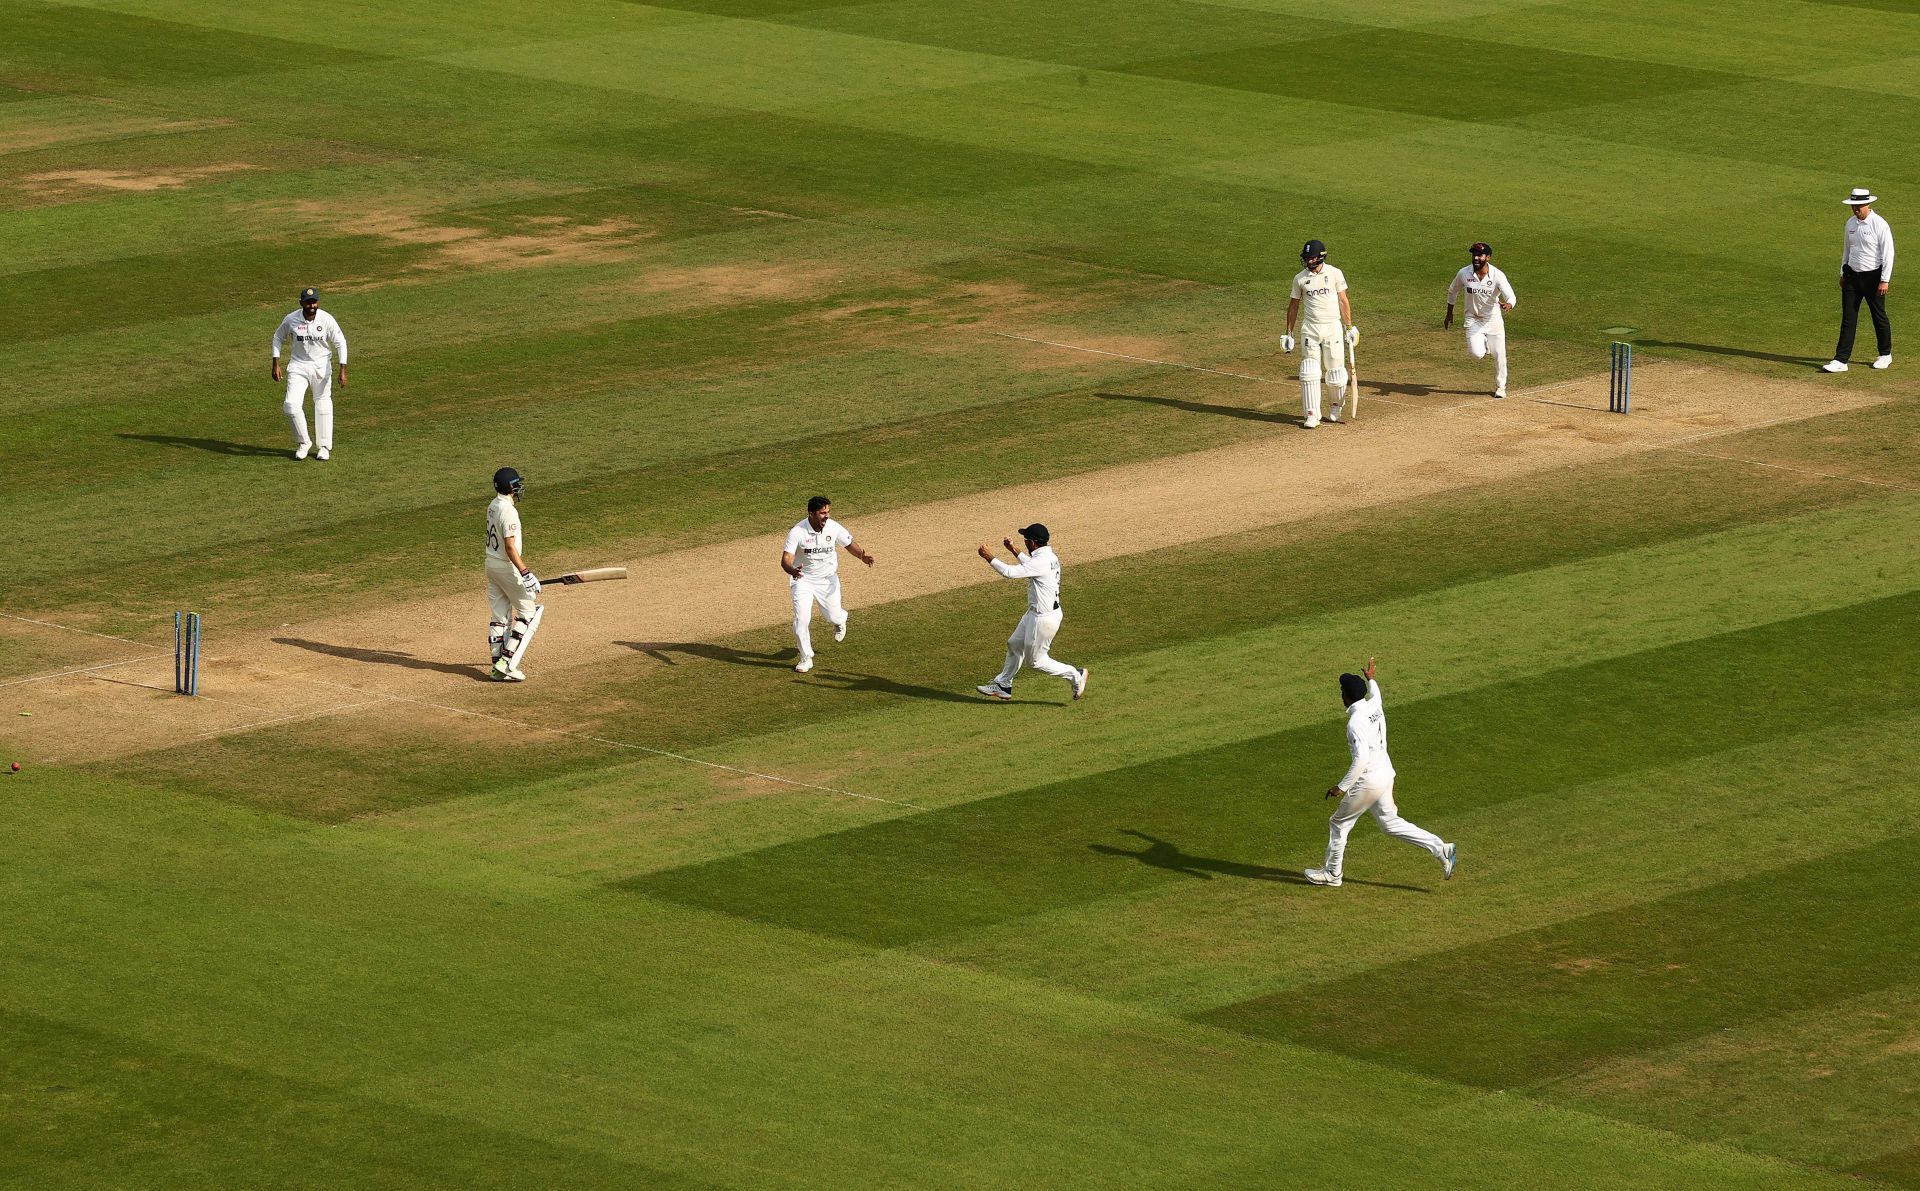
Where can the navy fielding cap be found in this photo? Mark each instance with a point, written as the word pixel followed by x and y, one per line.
pixel 1353 688
pixel 309 294
pixel 1035 533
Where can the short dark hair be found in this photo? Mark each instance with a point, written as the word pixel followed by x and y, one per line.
pixel 817 503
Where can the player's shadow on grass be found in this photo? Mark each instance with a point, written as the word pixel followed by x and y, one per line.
pixel 386 657
pixel 1715 349
pixel 845 681
pixel 1165 854
pixel 1394 388
pixel 1200 407
pixel 663 651
pixel 217 446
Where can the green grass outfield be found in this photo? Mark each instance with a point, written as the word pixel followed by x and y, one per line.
pixel 686 263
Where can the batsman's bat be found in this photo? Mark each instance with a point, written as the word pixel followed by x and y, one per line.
pixel 590 576
pixel 1353 386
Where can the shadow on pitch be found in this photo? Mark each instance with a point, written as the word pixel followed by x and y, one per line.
pixel 664 651
pixel 842 680
pixel 1197 407
pixel 386 657
pixel 1165 854
pixel 1393 388
pixel 215 445
pixel 1714 349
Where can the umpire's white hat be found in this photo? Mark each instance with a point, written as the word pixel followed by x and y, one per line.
pixel 1860 197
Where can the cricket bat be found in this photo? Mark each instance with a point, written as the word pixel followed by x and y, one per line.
pixel 594 575
pixel 1353 385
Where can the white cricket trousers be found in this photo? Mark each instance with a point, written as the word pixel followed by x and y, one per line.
pixel 300 378
pixel 1028 647
pixel 1493 339
pixel 1376 796
pixel 824 591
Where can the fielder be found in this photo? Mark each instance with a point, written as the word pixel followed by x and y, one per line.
pixel 511 583
pixel 1489 293
pixel 1321 290
pixel 1040 567
pixel 815 578
pixel 1368 785
pixel 317 338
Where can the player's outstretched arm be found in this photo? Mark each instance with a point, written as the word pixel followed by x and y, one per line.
pixel 861 553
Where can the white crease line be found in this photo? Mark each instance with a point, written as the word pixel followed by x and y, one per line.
pixel 80 669
pixel 621 744
pixel 1804 471
pixel 47 624
pixel 298 715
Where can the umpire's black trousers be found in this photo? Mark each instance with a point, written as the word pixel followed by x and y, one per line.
pixel 1853 287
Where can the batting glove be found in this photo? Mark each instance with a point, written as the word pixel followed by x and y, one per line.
pixel 1286 343
pixel 530 583
pixel 1353 336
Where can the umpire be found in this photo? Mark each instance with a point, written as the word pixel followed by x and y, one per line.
pixel 1866 266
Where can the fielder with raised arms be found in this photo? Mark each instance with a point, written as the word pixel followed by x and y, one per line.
pixel 511 583
pixel 1320 292
pixel 317 340
pixel 811 559
pixel 1368 784
pixel 1033 636
pixel 1488 293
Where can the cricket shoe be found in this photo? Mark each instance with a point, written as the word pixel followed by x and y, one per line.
pixel 840 631
pixel 1446 862
pixel 502 672
pixel 1883 361
pixel 1833 366
pixel 1310 423
pixel 803 667
pixel 1332 419
pixel 300 452
pixel 1320 876
pixel 1079 682
pixel 323 454
pixel 1500 392
pixel 994 690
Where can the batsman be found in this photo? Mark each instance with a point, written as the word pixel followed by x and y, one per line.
pixel 1326 331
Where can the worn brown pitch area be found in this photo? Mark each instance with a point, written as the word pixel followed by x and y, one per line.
pixel 431 650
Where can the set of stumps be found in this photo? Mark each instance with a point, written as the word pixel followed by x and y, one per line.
pixel 1619 377
pixel 186 653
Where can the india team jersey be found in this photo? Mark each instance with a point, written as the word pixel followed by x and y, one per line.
pixel 315 340
pixel 1367 737
pixel 817 551
pixel 503 522
pixel 1041 570
pixel 1484 294
pixel 1318 295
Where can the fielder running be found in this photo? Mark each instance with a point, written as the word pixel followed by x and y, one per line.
pixel 1368 785
pixel 511 583
pixel 1488 294
pixel 811 559
pixel 1040 567
pixel 317 338
pixel 1321 290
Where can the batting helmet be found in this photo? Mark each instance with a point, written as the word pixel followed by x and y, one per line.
pixel 1311 251
pixel 507 482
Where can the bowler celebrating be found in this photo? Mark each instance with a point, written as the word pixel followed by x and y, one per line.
pixel 1040 567
pixel 811 559
pixel 1368 785
pixel 1489 293
pixel 317 338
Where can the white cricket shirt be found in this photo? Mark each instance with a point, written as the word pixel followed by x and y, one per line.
pixel 1484 295
pixel 313 339
pixel 1868 245
pixel 1367 740
pixel 817 551
pixel 1041 570
pixel 1318 294
pixel 503 522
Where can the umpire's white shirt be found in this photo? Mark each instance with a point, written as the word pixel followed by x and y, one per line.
pixel 817 551
pixel 1484 295
pixel 1367 741
pixel 1868 246
pixel 1041 570
pixel 314 340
